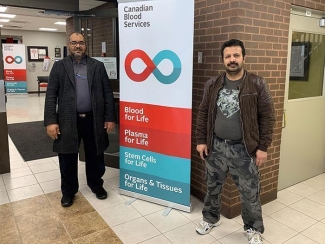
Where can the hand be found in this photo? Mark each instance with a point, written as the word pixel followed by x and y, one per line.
pixel 53 131
pixel 261 157
pixel 203 150
pixel 109 126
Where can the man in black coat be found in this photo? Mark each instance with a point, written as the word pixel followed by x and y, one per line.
pixel 79 104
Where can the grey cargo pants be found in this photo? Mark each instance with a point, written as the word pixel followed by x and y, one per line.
pixel 234 159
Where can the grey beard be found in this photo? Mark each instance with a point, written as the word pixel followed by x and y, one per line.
pixel 78 56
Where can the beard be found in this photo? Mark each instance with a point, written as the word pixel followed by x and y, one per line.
pixel 77 56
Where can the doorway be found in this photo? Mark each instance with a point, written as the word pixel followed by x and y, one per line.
pixel 303 134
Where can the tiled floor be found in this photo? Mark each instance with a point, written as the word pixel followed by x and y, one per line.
pixel 296 217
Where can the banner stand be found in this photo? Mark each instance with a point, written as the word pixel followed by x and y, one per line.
pixel 157 200
pixel 156 74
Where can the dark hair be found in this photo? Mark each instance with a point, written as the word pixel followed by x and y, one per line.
pixel 77 33
pixel 232 43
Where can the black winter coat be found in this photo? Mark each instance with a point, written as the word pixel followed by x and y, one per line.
pixel 60 104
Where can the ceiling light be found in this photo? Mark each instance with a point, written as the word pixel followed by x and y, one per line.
pixel 60 23
pixel 4 20
pixel 10 16
pixel 48 29
pixel 3 9
pixel 1 25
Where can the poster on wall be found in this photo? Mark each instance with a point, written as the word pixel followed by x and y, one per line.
pixel 110 66
pixel 156 100
pixel 14 60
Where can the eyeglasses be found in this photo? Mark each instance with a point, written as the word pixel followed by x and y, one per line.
pixel 74 43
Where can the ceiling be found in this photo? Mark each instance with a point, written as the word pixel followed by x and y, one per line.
pixel 33 19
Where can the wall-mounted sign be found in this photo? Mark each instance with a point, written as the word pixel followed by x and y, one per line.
pixel 110 66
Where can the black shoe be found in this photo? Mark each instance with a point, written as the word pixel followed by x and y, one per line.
pixel 67 201
pixel 101 193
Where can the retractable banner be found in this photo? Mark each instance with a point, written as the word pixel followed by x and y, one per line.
pixel 156 66
pixel 15 68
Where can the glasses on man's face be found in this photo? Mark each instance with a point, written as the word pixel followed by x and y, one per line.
pixel 74 43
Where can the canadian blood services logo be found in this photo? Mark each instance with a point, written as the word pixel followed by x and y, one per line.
pixel 11 59
pixel 152 66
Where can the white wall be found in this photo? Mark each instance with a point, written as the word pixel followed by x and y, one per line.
pixel 38 38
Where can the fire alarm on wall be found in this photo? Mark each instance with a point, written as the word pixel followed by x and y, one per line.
pixel 322 22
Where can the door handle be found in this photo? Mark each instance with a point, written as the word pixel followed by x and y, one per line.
pixel 284 122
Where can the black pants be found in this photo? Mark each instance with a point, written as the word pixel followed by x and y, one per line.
pixel 95 166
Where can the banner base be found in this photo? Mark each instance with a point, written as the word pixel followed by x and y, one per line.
pixel 156 200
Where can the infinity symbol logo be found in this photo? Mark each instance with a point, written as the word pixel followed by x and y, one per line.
pixel 152 66
pixel 11 59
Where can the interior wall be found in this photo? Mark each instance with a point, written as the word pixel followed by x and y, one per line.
pixel 38 38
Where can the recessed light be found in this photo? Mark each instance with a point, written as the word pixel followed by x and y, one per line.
pixel 48 29
pixel 10 16
pixel 4 20
pixel 3 9
pixel 60 23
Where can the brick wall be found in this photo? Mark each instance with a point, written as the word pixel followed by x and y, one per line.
pixel 263 26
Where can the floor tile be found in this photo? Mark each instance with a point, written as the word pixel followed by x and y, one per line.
pixel 238 236
pixel 79 207
pixel 317 182
pixel 39 161
pixel 112 200
pixel 24 192
pixel 84 225
pixel 119 214
pixel 272 230
pixel 113 183
pixel 141 230
pixel 49 234
pixel 10 236
pixel 310 208
pixel 287 198
pixel 102 236
pixel 48 176
pixel 166 223
pixel 293 219
pixel 196 212
pixel 7 218
pixel 111 173
pixel 26 180
pixel 161 239
pixel 146 208
pixel 45 167
pixel 272 207
pixel 300 239
pixel 187 234
pixel 30 221
pixel 18 164
pixel 15 173
pixel 51 186
pixel 316 233
pixel 302 190
pixel 30 205
pixel 3 197
pixel 318 197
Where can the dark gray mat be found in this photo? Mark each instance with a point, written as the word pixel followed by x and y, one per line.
pixel 31 140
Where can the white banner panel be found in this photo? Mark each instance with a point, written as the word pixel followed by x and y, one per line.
pixel 156 66
pixel 14 62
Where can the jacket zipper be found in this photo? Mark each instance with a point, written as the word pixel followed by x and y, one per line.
pixel 242 124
